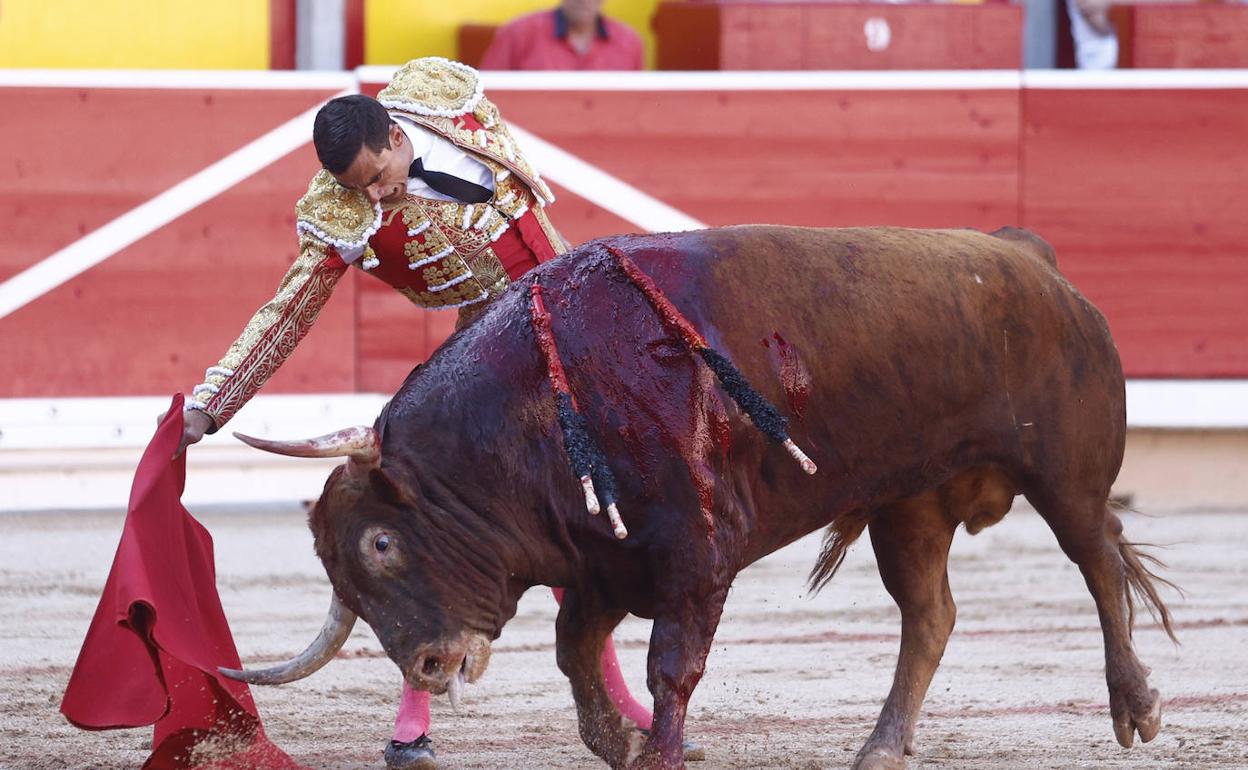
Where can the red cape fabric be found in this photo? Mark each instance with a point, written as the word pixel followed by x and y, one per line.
pixel 159 633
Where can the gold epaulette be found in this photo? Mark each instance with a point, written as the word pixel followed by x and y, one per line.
pixel 336 215
pixel 433 86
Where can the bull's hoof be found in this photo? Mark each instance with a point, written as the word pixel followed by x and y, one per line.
pixel 1144 719
pixel 412 755
pixel 879 759
pixel 651 762
pixel 693 751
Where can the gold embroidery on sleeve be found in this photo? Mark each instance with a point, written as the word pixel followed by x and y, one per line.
pixel 272 333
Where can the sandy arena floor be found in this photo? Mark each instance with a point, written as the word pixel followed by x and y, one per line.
pixel 793 681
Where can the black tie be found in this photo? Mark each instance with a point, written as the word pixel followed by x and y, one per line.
pixel 449 184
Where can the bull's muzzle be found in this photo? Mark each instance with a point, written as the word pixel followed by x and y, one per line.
pixel 444 667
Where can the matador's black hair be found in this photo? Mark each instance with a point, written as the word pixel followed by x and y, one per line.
pixel 347 124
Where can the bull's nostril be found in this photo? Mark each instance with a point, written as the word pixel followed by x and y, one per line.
pixel 430 666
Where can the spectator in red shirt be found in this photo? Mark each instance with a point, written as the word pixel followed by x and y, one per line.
pixel 574 36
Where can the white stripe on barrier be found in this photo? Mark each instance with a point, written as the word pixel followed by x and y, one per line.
pixel 97 246
pixel 789 80
pixel 73 454
pixel 80 453
pixel 602 189
pixel 804 80
pixel 1158 80
pixel 247 80
pixel 1187 404
pixel 891 80
pixel 127 422
pixel 120 422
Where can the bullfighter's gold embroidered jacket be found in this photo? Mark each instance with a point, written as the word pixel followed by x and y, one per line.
pixel 437 253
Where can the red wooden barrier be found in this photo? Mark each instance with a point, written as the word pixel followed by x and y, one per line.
pixel 1203 35
pixel 282 15
pixel 1141 193
pixel 918 157
pixel 152 317
pixel 1140 190
pixel 735 35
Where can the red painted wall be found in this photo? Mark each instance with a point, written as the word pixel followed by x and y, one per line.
pixel 1141 192
pixel 1205 35
pixel 154 316
pixel 920 158
pixel 770 35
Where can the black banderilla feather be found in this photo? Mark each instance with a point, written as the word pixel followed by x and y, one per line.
pixel 761 412
pixel 584 454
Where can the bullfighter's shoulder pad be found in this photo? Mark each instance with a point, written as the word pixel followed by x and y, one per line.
pixel 337 215
pixel 433 86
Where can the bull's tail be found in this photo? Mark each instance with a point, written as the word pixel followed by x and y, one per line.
pixel 840 535
pixel 1142 585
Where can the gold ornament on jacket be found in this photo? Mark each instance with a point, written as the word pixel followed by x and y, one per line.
pixel 433 86
pixel 337 215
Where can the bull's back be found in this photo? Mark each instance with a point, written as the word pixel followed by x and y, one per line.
pixel 903 355
pixel 899 356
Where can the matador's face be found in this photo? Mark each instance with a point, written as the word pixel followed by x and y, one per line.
pixel 382 176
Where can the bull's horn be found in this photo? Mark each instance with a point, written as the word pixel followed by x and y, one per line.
pixel 335 631
pixel 361 443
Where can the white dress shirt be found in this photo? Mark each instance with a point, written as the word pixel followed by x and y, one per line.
pixel 439 154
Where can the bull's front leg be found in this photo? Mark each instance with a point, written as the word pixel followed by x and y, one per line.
pixel 582 629
pixel 679 642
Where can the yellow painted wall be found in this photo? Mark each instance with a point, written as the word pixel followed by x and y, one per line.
pixel 135 34
pixel 398 30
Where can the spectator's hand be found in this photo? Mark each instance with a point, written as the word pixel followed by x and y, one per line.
pixel 195 423
pixel 1096 12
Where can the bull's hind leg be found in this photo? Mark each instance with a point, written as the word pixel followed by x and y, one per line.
pixel 582 630
pixel 911 541
pixel 1091 535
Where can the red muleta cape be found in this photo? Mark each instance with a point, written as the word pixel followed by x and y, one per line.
pixel 159 633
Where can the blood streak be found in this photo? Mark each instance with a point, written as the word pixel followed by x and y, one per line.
pixel 708 432
pixel 546 342
pixel 794 375
pixel 670 316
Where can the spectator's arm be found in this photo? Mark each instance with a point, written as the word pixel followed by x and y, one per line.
pixel 1096 12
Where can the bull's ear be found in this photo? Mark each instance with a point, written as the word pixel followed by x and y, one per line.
pixel 390 489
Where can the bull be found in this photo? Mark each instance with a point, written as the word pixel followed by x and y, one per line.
pixel 933 376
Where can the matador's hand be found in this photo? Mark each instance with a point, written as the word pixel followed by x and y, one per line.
pixel 195 424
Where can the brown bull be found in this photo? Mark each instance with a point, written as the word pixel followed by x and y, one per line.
pixel 932 375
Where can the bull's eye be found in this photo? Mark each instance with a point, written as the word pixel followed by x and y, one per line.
pixel 381 549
